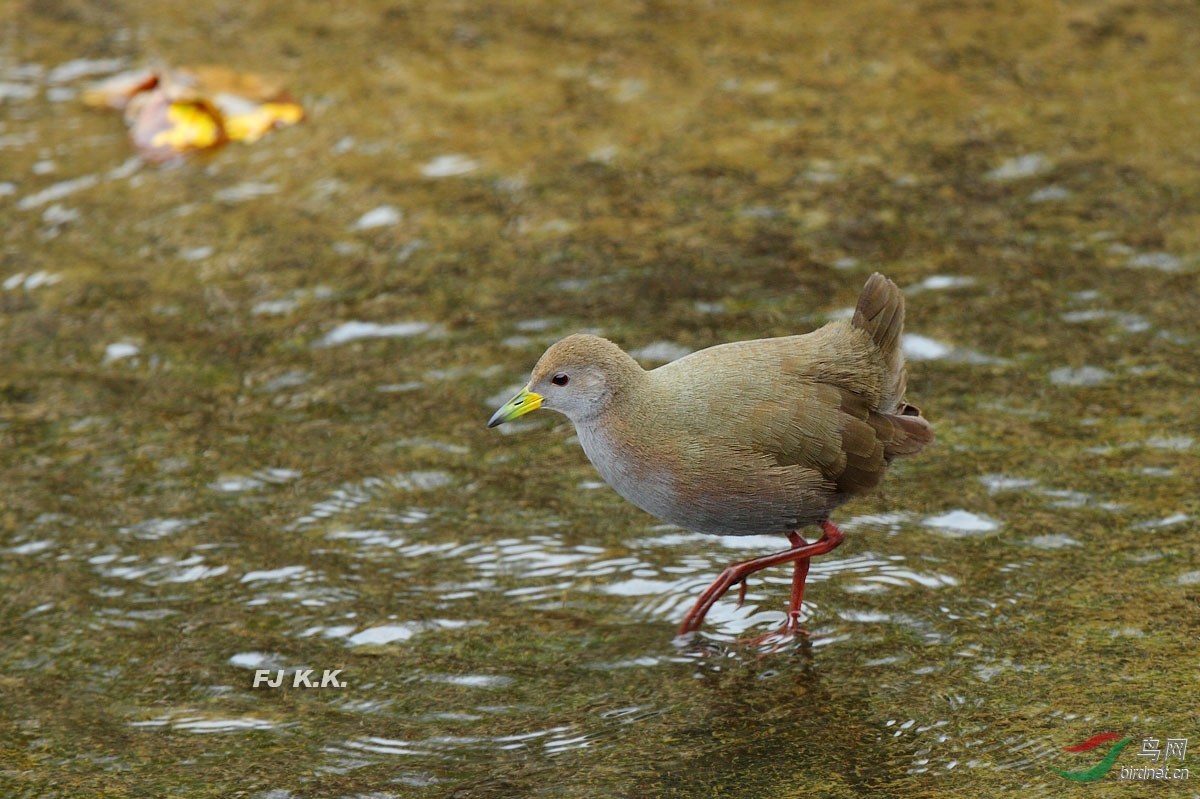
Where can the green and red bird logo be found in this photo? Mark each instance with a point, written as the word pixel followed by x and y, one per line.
pixel 1100 769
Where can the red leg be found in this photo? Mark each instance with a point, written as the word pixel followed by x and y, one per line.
pixel 799 575
pixel 791 627
pixel 799 554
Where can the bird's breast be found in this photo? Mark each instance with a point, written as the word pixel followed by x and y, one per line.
pixel 637 470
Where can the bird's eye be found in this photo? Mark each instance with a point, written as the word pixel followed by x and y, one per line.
pixel 560 379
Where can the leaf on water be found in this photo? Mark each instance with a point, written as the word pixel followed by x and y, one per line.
pixel 171 112
pixel 256 123
pixel 162 128
pixel 116 91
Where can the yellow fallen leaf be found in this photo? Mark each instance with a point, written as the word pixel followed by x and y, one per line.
pixel 162 127
pixel 253 125
pixel 192 127
pixel 176 111
pixel 116 91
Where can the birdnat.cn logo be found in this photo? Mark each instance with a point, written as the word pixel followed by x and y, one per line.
pixel 1175 748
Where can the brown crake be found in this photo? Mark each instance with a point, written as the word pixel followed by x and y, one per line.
pixel 748 438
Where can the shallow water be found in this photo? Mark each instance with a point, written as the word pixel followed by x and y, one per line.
pixel 243 397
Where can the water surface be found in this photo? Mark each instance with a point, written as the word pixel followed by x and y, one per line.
pixel 243 397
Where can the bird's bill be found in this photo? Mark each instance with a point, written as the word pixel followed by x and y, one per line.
pixel 519 405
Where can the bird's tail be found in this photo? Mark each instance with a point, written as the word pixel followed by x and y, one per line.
pixel 880 314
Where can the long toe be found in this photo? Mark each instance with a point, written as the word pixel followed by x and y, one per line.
pixel 790 630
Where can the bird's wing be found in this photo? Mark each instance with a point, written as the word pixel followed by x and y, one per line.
pixel 826 415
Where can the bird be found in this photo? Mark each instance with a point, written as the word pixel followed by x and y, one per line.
pixel 759 437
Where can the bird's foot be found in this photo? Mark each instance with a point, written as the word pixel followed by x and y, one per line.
pixel 790 630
